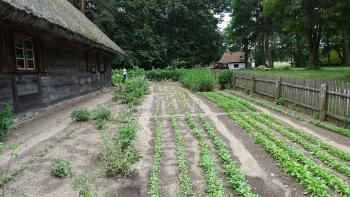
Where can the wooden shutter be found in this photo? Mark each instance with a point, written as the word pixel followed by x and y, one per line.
pixel 8 51
pixel 41 55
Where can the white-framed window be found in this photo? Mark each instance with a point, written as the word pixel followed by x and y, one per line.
pixel 24 51
pixel 236 65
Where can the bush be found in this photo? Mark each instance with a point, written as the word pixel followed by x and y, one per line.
pixel 5 120
pixel 61 168
pixel 102 113
pixel 80 114
pixel 163 74
pixel 198 79
pixel 82 184
pixel 117 152
pixel 225 79
pixel 132 90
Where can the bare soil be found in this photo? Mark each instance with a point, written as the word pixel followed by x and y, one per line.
pixel 265 177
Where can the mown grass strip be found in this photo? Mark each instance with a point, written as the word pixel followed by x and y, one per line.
pixel 214 187
pixel 310 138
pixel 314 150
pixel 236 179
pixel 154 179
pixel 314 186
pixel 331 180
pixel 184 175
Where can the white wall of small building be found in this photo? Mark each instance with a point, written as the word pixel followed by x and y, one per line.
pixel 240 66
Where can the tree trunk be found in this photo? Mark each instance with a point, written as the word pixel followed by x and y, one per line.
pixel 346 50
pixel 314 45
pixel 82 6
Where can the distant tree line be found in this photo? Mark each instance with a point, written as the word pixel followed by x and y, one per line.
pixel 299 30
pixel 159 33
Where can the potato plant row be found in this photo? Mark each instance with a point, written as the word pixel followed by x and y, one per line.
pixel 184 175
pixel 227 104
pixel 214 186
pixel 337 184
pixel 236 179
pixel 313 149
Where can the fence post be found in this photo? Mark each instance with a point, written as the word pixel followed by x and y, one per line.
pixel 253 84
pixel 234 81
pixel 278 93
pixel 323 102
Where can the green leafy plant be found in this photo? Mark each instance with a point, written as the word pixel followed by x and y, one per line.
pixel 83 184
pixel 80 114
pixel 154 178
pixel 163 74
pixel 117 151
pixel 331 127
pixel 61 168
pixel 6 171
pixel 199 80
pixel 5 121
pixel 225 79
pixel 102 113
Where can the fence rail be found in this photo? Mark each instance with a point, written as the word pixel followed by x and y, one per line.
pixel 331 99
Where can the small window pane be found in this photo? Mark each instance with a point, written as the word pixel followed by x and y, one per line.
pixel 19 42
pixel 31 64
pixel 30 54
pixel 20 64
pixel 29 44
pixel 19 53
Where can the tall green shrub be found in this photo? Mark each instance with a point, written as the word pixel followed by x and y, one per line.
pixel 225 79
pixel 5 120
pixel 201 80
pixel 163 74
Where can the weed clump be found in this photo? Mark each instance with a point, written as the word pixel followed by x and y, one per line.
pixel 81 114
pixel 117 151
pixel 5 120
pixel 83 184
pixel 102 113
pixel 61 168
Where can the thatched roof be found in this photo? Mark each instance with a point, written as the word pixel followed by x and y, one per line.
pixel 58 16
pixel 232 57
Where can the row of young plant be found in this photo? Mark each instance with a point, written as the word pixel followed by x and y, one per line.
pixel 318 173
pixel 154 177
pixel 310 138
pixel 184 175
pixel 214 186
pixel 227 103
pixel 236 179
pixel 313 149
pixel 293 114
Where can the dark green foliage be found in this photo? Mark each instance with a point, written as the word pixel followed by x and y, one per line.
pixel 61 168
pixel 134 87
pixel 225 79
pixel 198 79
pixel 80 114
pixel 163 74
pixel 102 113
pixel 5 120
pixel 117 152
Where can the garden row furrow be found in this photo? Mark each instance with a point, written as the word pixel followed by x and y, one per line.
pixel 184 175
pixel 154 177
pixel 310 138
pixel 236 179
pixel 214 186
pixel 328 178
pixel 314 186
pixel 314 150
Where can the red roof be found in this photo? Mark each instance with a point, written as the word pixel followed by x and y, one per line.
pixel 232 57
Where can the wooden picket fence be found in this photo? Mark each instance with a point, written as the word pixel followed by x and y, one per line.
pixel 331 99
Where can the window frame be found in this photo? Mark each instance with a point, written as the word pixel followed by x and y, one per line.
pixel 25 49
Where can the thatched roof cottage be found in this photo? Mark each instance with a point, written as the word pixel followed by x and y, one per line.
pixel 50 51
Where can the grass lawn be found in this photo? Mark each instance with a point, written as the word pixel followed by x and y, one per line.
pixel 328 73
